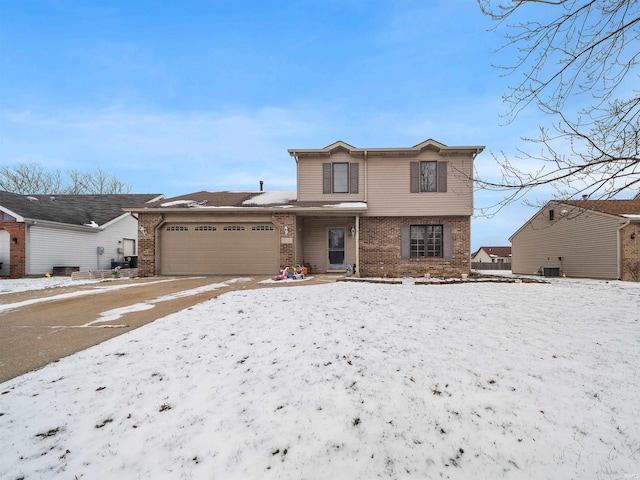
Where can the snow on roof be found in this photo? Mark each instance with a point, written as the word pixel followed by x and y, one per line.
pixel 177 203
pixel 348 205
pixel 270 198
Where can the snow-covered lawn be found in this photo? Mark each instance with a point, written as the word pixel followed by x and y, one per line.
pixel 347 381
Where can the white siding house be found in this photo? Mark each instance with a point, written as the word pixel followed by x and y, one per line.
pixel 81 232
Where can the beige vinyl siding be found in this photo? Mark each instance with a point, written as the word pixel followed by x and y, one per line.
pixel 310 179
pixel 389 188
pixel 315 240
pixel 582 244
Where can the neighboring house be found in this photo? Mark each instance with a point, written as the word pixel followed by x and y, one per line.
pixel 40 232
pixel 381 211
pixel 581 238
pixel 494 255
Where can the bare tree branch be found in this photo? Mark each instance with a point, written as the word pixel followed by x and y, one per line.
pixel 33 179
pixel 586 51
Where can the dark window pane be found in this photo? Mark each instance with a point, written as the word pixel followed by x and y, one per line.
pixel 428 176
pixel 340 178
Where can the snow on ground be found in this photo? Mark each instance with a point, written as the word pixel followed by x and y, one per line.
pixel 347 380
pixel 42 283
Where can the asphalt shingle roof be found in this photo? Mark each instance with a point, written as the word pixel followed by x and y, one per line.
pixel 612 207
pixel 72 209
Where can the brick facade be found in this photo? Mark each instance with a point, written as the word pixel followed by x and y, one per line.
pixel 147 224
pixel 380 248
pixel 630 253
pixel 288 239
pixel 17 247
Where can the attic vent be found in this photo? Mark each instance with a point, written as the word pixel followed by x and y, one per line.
pixel 32 199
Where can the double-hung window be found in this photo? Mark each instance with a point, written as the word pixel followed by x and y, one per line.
pixel 426 241
pixel 428 176
pixel 340 177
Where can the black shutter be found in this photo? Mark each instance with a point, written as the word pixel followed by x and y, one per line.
pixel 353 178
pixel 442 176
pixel 405 241
pixel 326 178
pixel 447 241
pixel 415 177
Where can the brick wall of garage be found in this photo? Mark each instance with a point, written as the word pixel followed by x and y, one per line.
pixel 17 247
pixel 148 222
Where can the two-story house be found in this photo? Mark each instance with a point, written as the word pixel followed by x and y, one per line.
pixel 380 211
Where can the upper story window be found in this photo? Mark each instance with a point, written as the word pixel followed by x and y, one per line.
pixel 340 177
pixel 428 176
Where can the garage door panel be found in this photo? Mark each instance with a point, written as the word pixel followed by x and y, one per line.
pixel 219 249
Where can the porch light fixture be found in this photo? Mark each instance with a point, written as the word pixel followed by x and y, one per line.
pixel 633 235
pixel 286 230
pixel 353 231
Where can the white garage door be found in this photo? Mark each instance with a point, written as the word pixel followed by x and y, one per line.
pixel 219 249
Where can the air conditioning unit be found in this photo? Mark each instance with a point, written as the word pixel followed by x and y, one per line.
pixel 550 271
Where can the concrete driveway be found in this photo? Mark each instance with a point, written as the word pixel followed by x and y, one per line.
pixel 40 327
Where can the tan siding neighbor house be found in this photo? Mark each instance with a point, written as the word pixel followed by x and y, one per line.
pixel 373 211
pixel 582 238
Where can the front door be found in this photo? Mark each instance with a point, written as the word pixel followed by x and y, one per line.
pixel 336 249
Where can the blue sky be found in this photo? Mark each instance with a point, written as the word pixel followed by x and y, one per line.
pixel 178 97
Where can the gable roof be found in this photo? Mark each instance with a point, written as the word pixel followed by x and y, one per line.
pixel 399 151
pixel 621 208
pixel 71 209
pixel 495 251
pixel 612 207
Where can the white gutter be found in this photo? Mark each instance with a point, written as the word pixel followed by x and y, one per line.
pixel 619 248
pixel 62 226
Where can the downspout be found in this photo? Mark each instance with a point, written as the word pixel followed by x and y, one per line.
pixel 297 176
pixel 357 245
pixel 366 176
pixel 619 248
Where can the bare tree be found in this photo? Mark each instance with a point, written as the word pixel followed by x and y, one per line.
pixel 572 52
pixel 33 179
pixel 29 178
